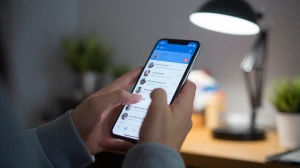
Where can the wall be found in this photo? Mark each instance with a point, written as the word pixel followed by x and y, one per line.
pixel 133 26
pixel 35 32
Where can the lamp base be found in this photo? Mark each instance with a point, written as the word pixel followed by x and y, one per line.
pixel 238 134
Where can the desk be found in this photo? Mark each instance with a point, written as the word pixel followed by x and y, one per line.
pixel 201 150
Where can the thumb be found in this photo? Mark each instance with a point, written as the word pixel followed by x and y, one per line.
pixel 159 96
pixel 159 100
pixel 120 97
pixel 156 109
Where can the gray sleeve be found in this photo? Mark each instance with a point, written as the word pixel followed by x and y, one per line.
pixel 152 155
pixel 62 144
pixel 56 144
pixel 41 159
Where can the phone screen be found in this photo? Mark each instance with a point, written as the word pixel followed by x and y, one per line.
pixel 165 69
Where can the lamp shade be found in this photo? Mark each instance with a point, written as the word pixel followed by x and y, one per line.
pixel 231 17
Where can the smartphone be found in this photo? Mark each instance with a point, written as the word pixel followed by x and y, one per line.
pixel 167 67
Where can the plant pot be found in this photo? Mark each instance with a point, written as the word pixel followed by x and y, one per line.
pixel 288 128
pixel 89 82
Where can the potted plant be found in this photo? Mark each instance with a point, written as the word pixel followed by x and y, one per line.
pixel 89 58
pixel 286 99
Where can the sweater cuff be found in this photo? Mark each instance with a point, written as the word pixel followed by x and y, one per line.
pixel 62 143
pixel 150 155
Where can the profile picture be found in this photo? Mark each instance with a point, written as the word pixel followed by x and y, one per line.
pixel 138 90
pixel 124 116
pixel 151 65
pixel 146 73
pixel 143 81
pixel 128 107
pixel 156 56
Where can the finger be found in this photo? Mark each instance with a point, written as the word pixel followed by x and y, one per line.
pixel 186 98
pixel 116 145
pixel 125 81
pixel 157 108
pixel 159 101
pixel 159 96
pixel 119 97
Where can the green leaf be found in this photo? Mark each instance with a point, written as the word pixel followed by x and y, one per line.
pixel 88 54
pixel 286 95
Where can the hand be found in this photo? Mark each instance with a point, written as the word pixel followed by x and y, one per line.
pixel 169 125
pixel 95 116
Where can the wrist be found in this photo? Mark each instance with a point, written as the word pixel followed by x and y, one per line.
pixel 84 127
pixel 80 130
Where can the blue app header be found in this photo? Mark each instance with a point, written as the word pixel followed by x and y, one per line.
pixel 173 52
pixel 168 56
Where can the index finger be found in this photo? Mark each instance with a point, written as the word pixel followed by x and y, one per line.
pixel 186 97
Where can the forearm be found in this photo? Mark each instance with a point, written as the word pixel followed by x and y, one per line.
pixel 153 156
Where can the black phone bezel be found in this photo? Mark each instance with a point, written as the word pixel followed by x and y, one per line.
pixel 183 79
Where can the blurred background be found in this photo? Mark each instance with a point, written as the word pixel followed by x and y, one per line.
pixel 33 32
pixel 60 51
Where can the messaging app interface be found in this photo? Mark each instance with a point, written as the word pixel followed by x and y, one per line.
pixel 165 70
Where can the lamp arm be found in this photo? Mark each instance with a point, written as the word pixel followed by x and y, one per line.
pixel 261 66
pixel 255 62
